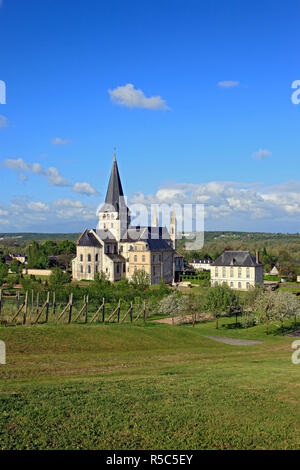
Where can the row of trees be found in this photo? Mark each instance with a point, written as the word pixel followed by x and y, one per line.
pixel 258 306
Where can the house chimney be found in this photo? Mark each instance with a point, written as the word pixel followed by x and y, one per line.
pixel 257 257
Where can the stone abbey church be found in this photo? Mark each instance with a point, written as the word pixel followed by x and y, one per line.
pixel 119 249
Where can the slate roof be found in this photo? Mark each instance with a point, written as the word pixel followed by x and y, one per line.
pixel 157 238
pixel 105 235
pixel 236 258
pixel 88 239
pixel 116 257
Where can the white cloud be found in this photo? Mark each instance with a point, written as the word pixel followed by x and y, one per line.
pixel 84 188
pixel 233 203
pixel 38 206
pixel 52 174
pixel 55 179
pixel 67 203
pixel 131 97
pixel 59 141
pixel 228 84
pixel 4 122
pixel 261 154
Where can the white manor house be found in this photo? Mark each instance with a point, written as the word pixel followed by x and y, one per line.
pixel 118 249
pixel 239 269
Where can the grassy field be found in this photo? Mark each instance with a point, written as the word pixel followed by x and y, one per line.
pixel 147 386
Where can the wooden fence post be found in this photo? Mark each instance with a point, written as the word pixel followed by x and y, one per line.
pixel 119 308
pixel 86 308
pixel 144 311
pixel 70 307
pixel 18 300
pixel 47 306
pixel 37 302
pixel 25 309
pixel 54 303
pixel 130 313
pixel 103 311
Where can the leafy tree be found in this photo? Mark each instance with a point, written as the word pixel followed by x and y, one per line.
pixel 289 270
pixel 3 272
pixel 66 247
pixel 36 256
pixel 286 306
pixel 172 305
pixel 266 308
pixel 140 279
pixel 221 300
pixel 58 278
pixel 50 248
pixel 16 266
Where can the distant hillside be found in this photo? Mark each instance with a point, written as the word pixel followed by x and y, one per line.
pixel 23 237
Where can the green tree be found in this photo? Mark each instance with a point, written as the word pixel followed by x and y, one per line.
pixel 266 308
pixel 16 266
pixel 220 301
pixel 58 278
pixel 36 256
pixel 3 272
pixel 140 279
pixel 66 247
pixel 50 248
pixel 286 306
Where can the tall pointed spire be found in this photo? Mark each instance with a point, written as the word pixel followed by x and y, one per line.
pixel 114 190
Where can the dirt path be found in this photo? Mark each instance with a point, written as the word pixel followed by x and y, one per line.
pixel 185 319
pixel 233 341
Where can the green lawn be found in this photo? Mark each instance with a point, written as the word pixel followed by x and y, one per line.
pixel 147 386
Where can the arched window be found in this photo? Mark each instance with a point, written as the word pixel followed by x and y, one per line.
pixel 231 272
pixel 81 268
pixel 89 269
pixel 239 272
pixel 96 257
pixel 248 285
pixel 248 273
pixel 143 258
pixel 224 272
pixel 81 258
pixel 239 285
pixel 216 272
pixel 89 257
pixel 231 285
pixel 135 258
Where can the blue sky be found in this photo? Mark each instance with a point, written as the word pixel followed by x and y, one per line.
pixel 196 96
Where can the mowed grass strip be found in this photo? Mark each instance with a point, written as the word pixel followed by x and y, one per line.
pixel 146 387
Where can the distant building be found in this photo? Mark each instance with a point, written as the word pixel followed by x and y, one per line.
pixel 21 257
pixel 201 264
pixel 7 259
pixel 118 249
pixel 239 269
pixel 274 271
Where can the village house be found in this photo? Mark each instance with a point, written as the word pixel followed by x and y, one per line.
pixel 118 249
pixel 200 264
pixel 239 269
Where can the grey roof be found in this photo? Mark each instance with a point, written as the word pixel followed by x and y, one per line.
pixel 157 238
pixel 105 235
pixel 88 239
pixel 236 258
pixel 116 257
